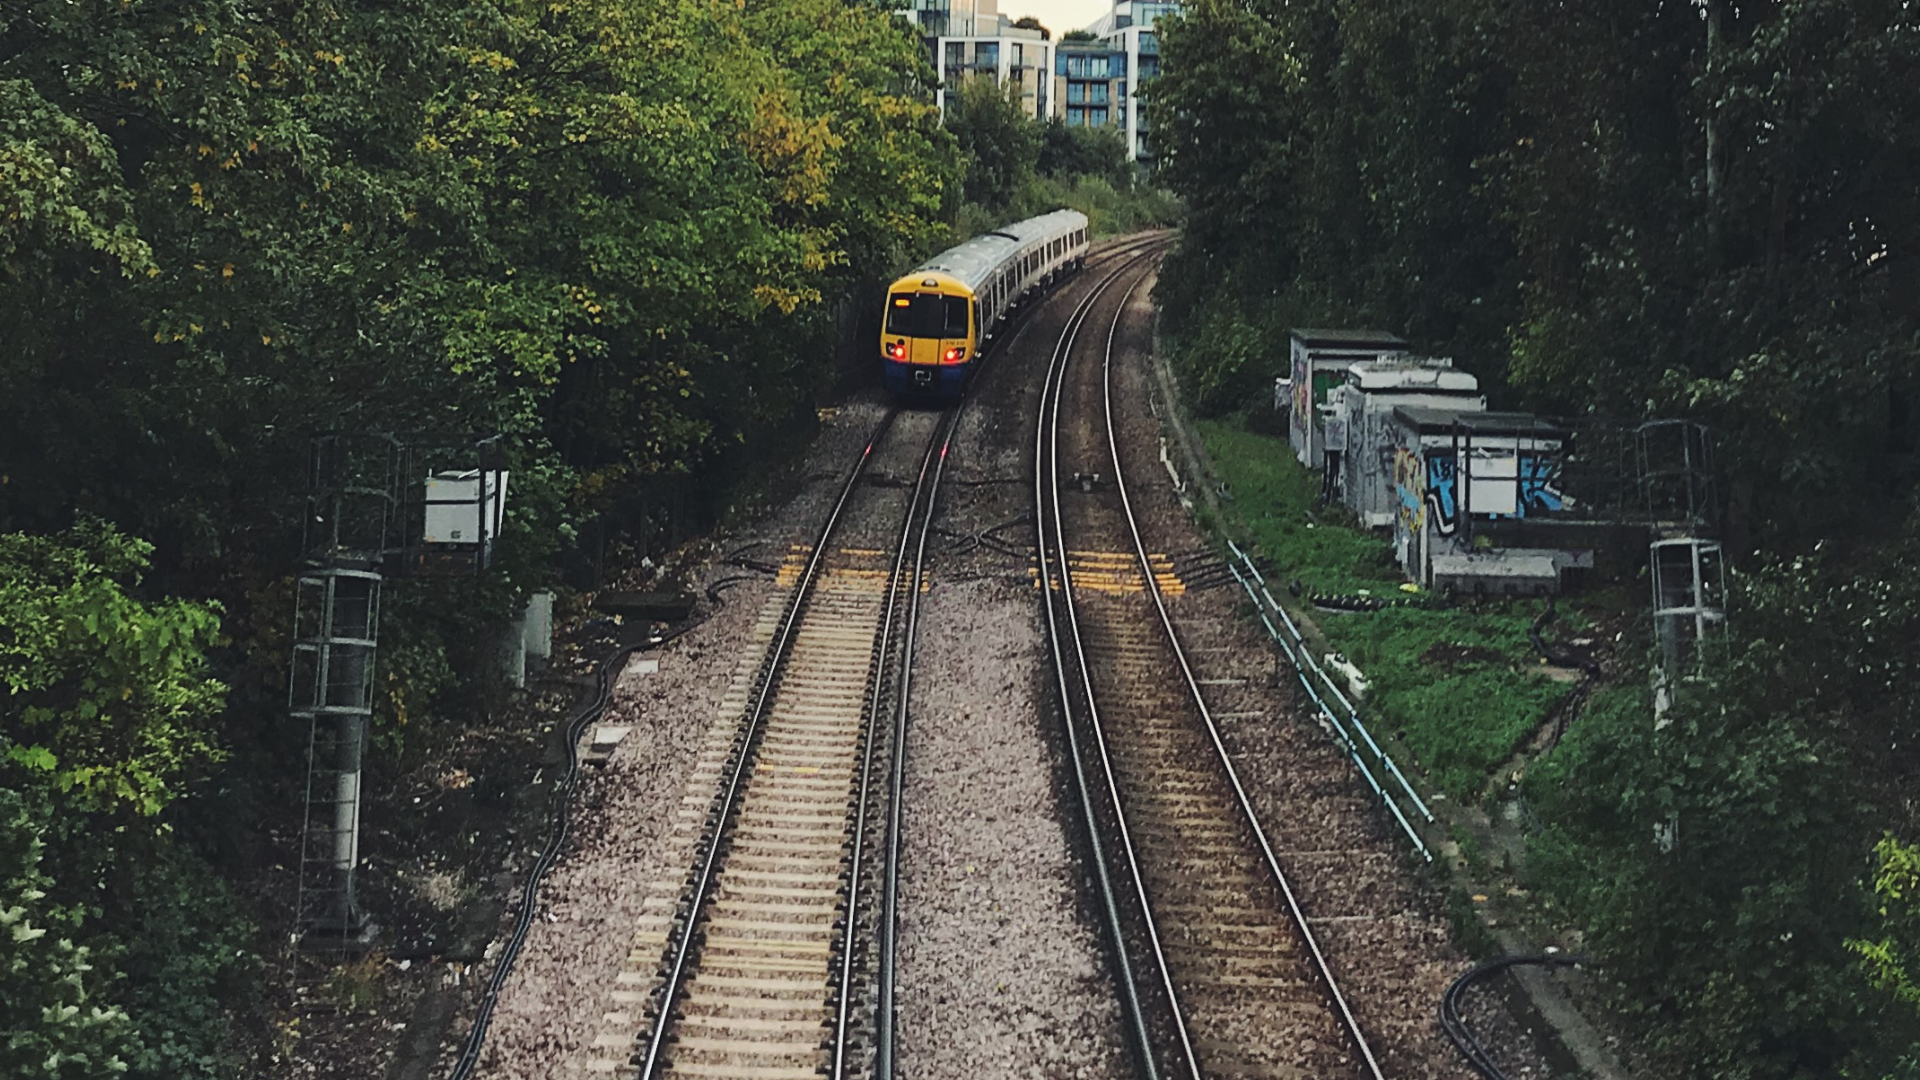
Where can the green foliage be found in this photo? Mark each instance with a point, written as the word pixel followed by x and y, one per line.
pixel 1734 945
pixel 1619 210
pixel 1893 960
pixel 1727 945
pixel 1085 151
pixel 1735 941
pixel 1448 681
pixel 52 1025
pixel 619 234
pixel 1276 498
pixel 1451 683
pixel 60 187
pixel 998 141
pixel 184 952
pixel 107 696
pixel 1624 210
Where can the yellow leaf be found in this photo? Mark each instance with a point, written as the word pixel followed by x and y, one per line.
pixel 227 270
pixel 266 339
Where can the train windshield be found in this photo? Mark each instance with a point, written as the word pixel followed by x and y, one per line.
pixel 927 315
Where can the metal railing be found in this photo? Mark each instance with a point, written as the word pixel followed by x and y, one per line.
pixel 1324 694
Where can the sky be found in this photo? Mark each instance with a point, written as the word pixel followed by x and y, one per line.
pixel 1058 16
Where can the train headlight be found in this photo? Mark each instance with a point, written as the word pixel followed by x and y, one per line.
pixel 956 354
pixel 896 350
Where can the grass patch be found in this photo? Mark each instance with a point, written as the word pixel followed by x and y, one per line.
pixel 1275 496
pixel 1447 682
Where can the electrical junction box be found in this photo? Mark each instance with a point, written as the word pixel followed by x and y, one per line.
pixel 464 507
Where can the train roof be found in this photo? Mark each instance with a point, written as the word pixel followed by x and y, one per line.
pixel 971 262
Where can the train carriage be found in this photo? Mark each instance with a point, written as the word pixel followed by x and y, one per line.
pixel 944 312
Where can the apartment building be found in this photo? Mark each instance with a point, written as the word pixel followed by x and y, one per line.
pixel 1127 31
pixel 1089 84
pixel 971 38
pixel 1082 82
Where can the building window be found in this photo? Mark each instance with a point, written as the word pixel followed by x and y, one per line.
pixel 1096 118
pixel 1149 67
pixel 956 54
pixel 1149 44
pixel 1120 90
pixel 1076 117
pixel 986 55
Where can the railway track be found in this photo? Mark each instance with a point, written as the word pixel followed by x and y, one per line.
pixel 1219 970
pixel 776 962
pixel 764 955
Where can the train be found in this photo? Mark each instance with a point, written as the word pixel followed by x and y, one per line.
pixel 943 313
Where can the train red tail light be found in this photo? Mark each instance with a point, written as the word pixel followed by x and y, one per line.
pixel 955 355
pixel 896 350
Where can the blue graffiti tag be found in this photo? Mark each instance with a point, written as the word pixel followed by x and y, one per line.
pixel 1538 476
pixel 1441 470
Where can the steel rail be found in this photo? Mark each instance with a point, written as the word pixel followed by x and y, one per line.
pixel 1252 818
pixel 1046 459
pixel 897 764
pixel 725 806
pixel 887 968
pixel 925 490
pixel 936 448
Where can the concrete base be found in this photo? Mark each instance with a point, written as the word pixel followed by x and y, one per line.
pixel 1501 572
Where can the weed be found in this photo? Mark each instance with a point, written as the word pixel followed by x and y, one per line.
pixel 1471 851
pixel 357 985
pixel 1469 933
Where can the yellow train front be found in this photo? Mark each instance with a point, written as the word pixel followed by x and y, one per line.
pixel 943 313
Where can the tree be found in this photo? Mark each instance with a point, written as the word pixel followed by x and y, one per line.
pixel 52 1026
pixel 1084 151
pixel 107 698
pixel 1028 22
pixel 1892 960
pixel 998 141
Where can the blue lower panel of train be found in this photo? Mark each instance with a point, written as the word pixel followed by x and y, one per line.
pixel 933 381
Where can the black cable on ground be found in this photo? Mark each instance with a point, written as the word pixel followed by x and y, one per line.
pixel 1590 673
pixel 1455 1026
pixel 991 538
pixel 1551 656
pixel 559 822
pixel 714 589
